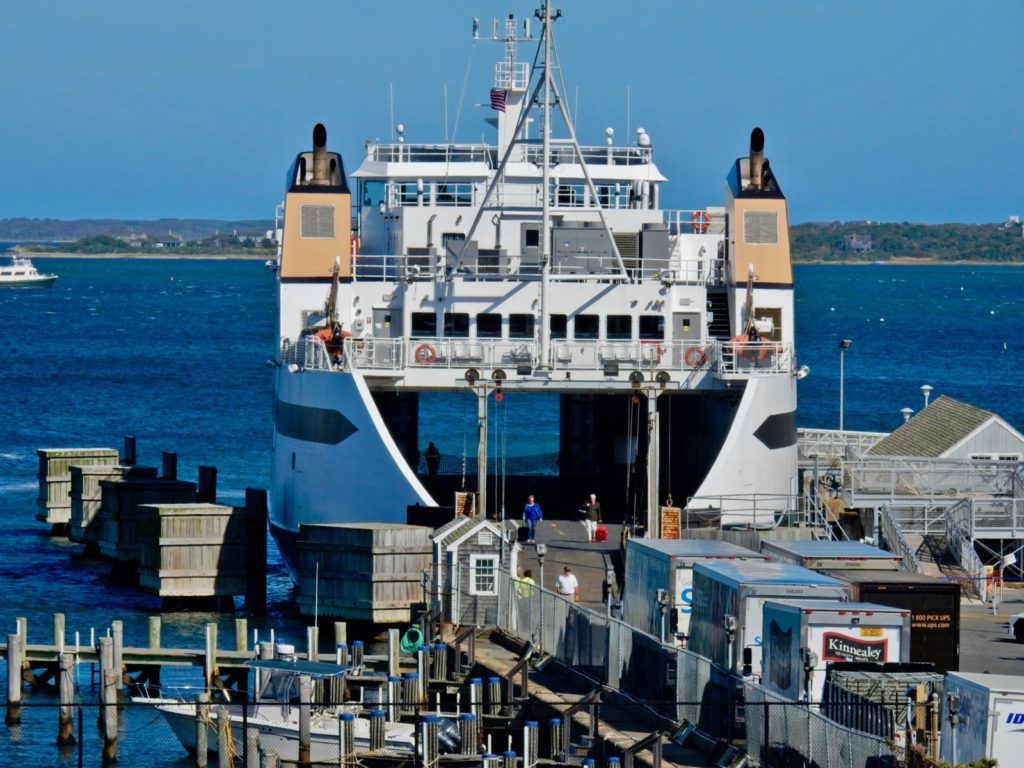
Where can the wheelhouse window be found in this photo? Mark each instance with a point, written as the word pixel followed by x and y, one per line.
pixel 520 326
pixel 587 326
pixel 424 324
pixel 456 325
pixel 652 327
pixel 408 194
pixel 459 195
pixel 483 575
pixel 620 327
pixel 559 326
pixel 488 325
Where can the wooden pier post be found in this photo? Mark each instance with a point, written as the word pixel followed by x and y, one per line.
pixel 202 729
pixel 106 653
pixel 252 749
pixel 271 760
pixel 305 700
pixel 169 466
pixel 210 664
pixel 154 631
pixel 265 651
pixel 340 633
pixel 13 679
pixel 224 749
pixel 256 549
pixel 111 682
pixel 58 631
pixel 206 491
pixel 241 634
pixel 66 719
pixel 393 650
pixel 129 451
pixel 117 633
pixel 22 624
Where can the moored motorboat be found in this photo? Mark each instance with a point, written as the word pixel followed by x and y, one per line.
pixel 22 273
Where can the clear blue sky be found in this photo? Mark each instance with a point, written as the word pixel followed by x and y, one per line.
pixel 897 111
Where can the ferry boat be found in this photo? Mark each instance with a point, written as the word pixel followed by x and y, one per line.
pixel 22 273
pixel 532 266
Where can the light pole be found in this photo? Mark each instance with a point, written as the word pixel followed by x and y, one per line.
pixel 926 390
pixel 844 344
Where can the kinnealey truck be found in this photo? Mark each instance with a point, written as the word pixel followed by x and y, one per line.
pixel 728 600
pixel 934 607
pixel 802 637
pixel 983 717
pixel 658 595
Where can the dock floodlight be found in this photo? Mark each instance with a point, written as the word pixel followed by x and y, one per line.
pixel 845 343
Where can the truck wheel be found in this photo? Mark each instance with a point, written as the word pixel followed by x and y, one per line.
pixel 1018 631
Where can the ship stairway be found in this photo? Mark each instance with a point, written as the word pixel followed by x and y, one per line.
pixel 718 305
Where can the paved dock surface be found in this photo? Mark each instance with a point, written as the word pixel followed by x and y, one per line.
pixel 985 643
pixel 567 544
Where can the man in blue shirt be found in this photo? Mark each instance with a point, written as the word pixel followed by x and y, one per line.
pixel 531 514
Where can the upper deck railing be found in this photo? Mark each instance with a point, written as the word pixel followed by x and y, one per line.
pixel 528 152
pixel 829 445
pixel 602 359
pixel 913 479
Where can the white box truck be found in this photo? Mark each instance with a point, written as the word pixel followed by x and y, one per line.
pixel 667 564
pixel 728 602
pixel 989 718
pixel 832 555
pixel 802 637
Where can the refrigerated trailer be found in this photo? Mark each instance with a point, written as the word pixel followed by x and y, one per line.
pixel 832 555
pixel 728 600
pixel 934 607
pixel 989 716
pixel 666 565
pixel 803 637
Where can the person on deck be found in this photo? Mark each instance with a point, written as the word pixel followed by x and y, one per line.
pixel 433 459
pixel 592 515
pixel 531 514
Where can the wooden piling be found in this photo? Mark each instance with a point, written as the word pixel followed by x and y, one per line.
pixel 313 643
pixel 13 679
pixel 22 624
pixel 154 631
pixel 271 760
pixel 252 749
pixel 224 749
pixel 58 631
pixel 241 634
pixel 210 665
pixel 117 634
pixel 340 633
pixel 206 493
pixel 393 650
pixel 169 465
pixel 305 699
pixel 202 729
pixel 256 549
pixel 129 450
pixel 66 718
pixel 111 682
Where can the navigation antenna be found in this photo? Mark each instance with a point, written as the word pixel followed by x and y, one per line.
pixel 544 91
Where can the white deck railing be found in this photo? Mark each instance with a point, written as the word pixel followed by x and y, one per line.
pixel 831 444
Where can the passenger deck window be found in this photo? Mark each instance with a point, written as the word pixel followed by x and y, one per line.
pixel 587 326
pixel 652 327
pixel 620 327
pixel 488 325
pixel 520 326
pixel 456 325
pixel 424 324
pixel 559 324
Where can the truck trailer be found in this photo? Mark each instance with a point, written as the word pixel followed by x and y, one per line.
pixel 934 607
pixel 667 565
pixel 831 555
pixel 803 637
pixel 728 600
pixel 988 711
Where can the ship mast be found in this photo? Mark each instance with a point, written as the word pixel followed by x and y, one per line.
pixel 545 239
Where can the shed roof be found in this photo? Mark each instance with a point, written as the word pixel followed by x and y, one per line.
pixel 933 431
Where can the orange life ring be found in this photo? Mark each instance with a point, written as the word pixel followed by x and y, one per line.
pixel 700 220
pixel 695 357
pixel 754 353
pixel 425 354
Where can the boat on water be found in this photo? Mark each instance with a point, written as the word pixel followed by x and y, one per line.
pixel 274 715
pixel 22 273
pixel 528 267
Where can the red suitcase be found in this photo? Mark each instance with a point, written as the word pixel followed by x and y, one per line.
pixel 601 534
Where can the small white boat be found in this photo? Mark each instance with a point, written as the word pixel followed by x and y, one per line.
pixel 22 273
pixel 275 716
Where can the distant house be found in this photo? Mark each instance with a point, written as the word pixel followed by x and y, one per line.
pixel 950 429
pixel 168 241
pixel 856 243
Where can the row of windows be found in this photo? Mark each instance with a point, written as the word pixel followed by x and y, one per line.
pixel 523 326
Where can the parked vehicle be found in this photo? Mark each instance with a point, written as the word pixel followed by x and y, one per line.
pixel 831 555
pixel 666 566
pixel 934 607
pixel 983 717
pixel 802 638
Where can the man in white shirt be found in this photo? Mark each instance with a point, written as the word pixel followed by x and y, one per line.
pixel 567 586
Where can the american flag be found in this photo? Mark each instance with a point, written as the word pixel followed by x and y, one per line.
pixel 498 98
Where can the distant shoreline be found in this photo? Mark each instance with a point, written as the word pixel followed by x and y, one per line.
pixel 166 256
pixel 905 261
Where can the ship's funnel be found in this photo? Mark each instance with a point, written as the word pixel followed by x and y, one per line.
pixel 321 163
pixel 756 157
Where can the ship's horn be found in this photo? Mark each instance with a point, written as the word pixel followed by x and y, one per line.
pixel 756 157
pixel 321 164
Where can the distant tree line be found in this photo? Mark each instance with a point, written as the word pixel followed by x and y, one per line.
pixel 939 242
pixel 214 244
pixel 45 230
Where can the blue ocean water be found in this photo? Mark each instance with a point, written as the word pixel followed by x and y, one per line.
pixel 174 351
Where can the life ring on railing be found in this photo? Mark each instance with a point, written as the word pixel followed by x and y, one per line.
pixel 695 357
pixel 657 351
pixel 425 354
pixel 699 221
